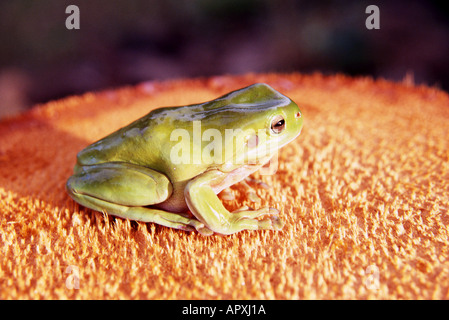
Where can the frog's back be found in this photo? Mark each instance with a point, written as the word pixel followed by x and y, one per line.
pixel 147 141
pixel 124 145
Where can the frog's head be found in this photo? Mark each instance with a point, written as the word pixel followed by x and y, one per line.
pixel 260 119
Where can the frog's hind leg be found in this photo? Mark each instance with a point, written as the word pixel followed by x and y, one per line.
pixel 124 190
pixel 161 217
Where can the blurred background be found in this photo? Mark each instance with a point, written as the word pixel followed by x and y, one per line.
pixel 127 42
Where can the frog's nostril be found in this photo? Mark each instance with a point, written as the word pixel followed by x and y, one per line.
pixel 298 115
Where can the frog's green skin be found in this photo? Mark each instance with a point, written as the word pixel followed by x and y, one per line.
pixel 130 173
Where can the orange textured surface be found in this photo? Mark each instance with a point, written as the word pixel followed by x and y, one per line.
pixel 363 191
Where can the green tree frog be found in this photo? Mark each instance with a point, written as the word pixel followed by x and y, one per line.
pixel 168 166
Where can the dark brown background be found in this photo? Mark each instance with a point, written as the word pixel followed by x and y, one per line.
pixel 127 42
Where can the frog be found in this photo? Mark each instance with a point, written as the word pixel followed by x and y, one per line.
pixel 169 166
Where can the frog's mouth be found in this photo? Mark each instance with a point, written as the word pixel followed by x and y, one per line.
pixel 260 152
pixel 256 149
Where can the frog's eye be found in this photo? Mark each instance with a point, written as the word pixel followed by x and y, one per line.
pixel 277 124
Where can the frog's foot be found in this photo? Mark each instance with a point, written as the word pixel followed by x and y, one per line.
pixel 250 192
pixel 178 221
pixel 207 208
pixel 205 231
pixel 167 219
pixel 258 182
pixel 227 194
pixel 247 212
pixel 246 218
pixel 273 223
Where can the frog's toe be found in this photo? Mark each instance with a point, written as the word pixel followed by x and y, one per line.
pixel 271 223
pixel 178 221
pixel 227 195
pixel 252 196
pixel 245 213
pixel 244 208
pixel 174 224
pixel 184 227
pixel 246 220
pixel 258 182
pixel 250 193
pixel 276 222
pixel 205 231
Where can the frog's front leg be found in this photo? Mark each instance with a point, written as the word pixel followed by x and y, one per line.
pixel 123 190
pixel 207 208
